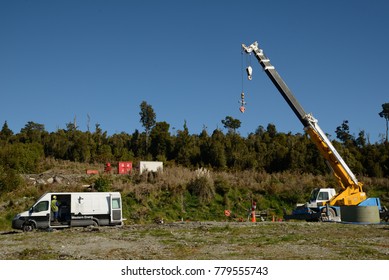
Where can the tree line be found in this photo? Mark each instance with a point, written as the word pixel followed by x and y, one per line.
pixel 266 149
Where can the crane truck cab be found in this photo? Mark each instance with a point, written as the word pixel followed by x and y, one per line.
pixel 317 208
pixel 320 196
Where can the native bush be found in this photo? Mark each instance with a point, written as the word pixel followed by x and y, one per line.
pixel 23 158
pixel 202 186
pixel 9 179
pixel 102 184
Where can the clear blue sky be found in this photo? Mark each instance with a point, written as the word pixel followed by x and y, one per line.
pixel 98 58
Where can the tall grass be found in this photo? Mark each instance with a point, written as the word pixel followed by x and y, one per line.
pixel 180 193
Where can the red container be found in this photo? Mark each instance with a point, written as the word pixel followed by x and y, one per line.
pixel 124 167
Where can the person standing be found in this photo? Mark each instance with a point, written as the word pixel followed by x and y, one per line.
pixel 55 208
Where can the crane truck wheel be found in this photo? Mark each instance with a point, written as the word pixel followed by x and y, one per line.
pixel 327 217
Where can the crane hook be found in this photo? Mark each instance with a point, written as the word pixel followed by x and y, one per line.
pixel 249 71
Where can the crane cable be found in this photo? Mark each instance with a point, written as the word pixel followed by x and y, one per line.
pixel 249 71
pixel 242 108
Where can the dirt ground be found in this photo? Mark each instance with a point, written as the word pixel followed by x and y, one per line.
pixel 202 240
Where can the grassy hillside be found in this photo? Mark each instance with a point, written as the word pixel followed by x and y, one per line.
pixel 179 193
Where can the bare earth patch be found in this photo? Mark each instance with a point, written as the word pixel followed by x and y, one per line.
pixel 202 240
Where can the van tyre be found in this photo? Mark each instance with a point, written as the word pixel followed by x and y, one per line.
pixel 28 226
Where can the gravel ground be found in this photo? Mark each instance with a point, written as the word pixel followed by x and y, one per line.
pixel 202 240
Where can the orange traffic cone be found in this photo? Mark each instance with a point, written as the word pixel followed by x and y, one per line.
pixel 253 219
pixel 253 207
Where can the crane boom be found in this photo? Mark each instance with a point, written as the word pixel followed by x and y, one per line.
pixel 351 193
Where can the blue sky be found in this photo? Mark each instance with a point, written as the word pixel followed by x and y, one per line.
pixel 61 60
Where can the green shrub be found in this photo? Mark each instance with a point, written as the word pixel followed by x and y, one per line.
pixel 203 188
pixel 222 186
pixel 102 184
pixel 23 158
pixel 9 179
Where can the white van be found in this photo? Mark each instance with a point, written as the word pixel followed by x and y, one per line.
pixel 75 209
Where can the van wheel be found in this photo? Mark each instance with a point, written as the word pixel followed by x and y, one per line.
pixel 28 226
pixel 95 223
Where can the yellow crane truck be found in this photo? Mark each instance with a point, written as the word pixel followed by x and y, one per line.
pixel 325 204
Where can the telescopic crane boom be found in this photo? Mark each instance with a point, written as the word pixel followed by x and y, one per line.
pixel 351 190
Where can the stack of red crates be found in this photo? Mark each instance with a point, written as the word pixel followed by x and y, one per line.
pixel 124 167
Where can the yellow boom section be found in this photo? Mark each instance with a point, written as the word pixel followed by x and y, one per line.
pixel 351 193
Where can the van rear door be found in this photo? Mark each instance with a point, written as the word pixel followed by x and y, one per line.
pixel 116 209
